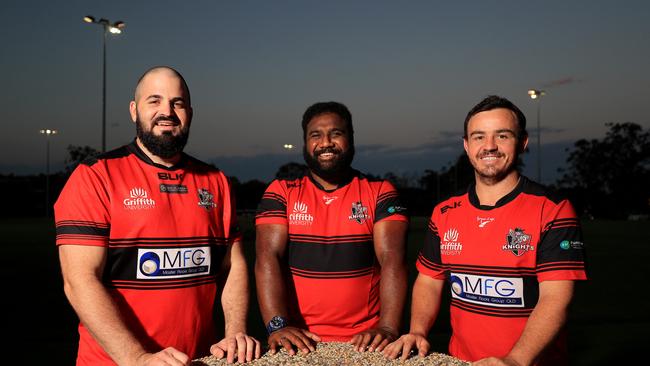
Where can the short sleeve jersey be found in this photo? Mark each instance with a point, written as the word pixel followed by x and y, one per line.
pixel 494 258
pixel 334 274
pixel 166 232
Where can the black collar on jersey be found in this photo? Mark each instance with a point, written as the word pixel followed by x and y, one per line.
pixel 135 149
pixel 352 173
pixel 473 197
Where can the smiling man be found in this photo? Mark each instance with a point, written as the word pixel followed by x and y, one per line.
pixel 330 246
pixel 147 237
pixel 510 250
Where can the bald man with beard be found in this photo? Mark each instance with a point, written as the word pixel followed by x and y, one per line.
pixel 148 238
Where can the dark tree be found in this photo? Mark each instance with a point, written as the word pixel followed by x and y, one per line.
pixel 77 154
pixel 610 177
pixel 291 171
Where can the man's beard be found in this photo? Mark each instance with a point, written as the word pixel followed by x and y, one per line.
pixel 493 174
pixel 331 170
pixel 166 145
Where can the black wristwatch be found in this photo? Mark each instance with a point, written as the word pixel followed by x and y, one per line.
pixel 276 323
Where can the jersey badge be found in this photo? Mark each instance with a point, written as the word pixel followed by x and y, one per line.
pixel 329 199
pixel 138 200
pixel 301 215
pixel 206 199
pixel 450 244
pixel 359 213
pixel 482 221
pixel 518 242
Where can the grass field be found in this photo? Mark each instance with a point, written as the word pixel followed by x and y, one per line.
pixel 609 317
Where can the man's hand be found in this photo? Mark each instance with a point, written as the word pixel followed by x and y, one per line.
pixel 380 338
pixel 405 344
pixel 168 356
pixel 493 361
pixel 288 337
pixel 242 347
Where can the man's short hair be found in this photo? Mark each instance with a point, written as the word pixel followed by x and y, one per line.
pixel 494 102
pixel 328 107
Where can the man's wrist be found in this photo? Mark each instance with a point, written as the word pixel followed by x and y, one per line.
pixel 276 323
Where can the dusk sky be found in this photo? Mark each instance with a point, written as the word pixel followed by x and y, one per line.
pixel 409 71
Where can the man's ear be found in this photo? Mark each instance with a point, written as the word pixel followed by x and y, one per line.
pixel 133 110
pixel 523 144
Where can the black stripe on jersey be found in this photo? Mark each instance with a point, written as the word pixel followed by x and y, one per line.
pixel 167 242
pixel 275 197
pixel 389 204
pixel 332 275
pixel 431 248
pixel 328 258
pixel 492 270
pixel 430 265
pixel 82 230
pixel 561 266
pixel 305 238
pixel 122 264
pixel 161 285
pixel 550 248
pixel 273 203
pixel 280 214
pixel 492 311
pixel 559 223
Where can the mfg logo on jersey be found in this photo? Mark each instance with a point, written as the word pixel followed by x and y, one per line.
pixel 173 263
pixel 450 244
pixel 488 290
pixel 138 200
pixel 300 216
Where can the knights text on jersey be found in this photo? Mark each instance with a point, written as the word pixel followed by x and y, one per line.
pixel 330 253
pixel 494 259
pixel 166 231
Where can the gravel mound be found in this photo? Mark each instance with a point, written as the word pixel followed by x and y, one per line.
pixel 337 354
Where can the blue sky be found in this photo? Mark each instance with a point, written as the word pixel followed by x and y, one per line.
pixel 408 71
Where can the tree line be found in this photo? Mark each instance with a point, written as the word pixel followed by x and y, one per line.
pixel 603 178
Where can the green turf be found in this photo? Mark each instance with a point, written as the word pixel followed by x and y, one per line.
pixel 609 317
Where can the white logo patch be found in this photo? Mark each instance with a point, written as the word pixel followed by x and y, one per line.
pixel 482 221
pixel 300 216
pixel 329 199
pixel 138 200
pixel 173 263
pixel 502 292
pixel 450 244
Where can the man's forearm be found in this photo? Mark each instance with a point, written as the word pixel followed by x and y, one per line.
pixel 425 304
pixel 234 298
pixel 271 290
pixel 545 322
pixel 392 293
pixel 101 316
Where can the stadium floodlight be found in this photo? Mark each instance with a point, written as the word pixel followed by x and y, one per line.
pixel 114 28
pixel 536 95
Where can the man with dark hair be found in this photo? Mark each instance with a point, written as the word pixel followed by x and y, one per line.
pixel 510 249
pixel 147 237
pixel 330 246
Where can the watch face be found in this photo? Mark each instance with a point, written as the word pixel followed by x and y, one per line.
pixel 277 322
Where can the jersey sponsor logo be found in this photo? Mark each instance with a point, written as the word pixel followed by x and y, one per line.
pixel 300 215
pixel 396 209
pixel 450 244
pixel 444 208
pixel 206 199
pixel 170 176
pixel 502 292
pixel 482 221
pixel 518 242
pixel 571 244
pixel 172 263
pixel 138 200
pixel 173 188
pixel 359 213
pixel 329 199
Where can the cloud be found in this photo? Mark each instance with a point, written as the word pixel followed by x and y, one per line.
pixel 560 82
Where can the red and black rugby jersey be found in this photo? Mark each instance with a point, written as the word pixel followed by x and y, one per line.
pixel 494 258
pixel 334 271
pixel 166 231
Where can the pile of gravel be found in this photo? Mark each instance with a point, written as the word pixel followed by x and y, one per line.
pixel 337 354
